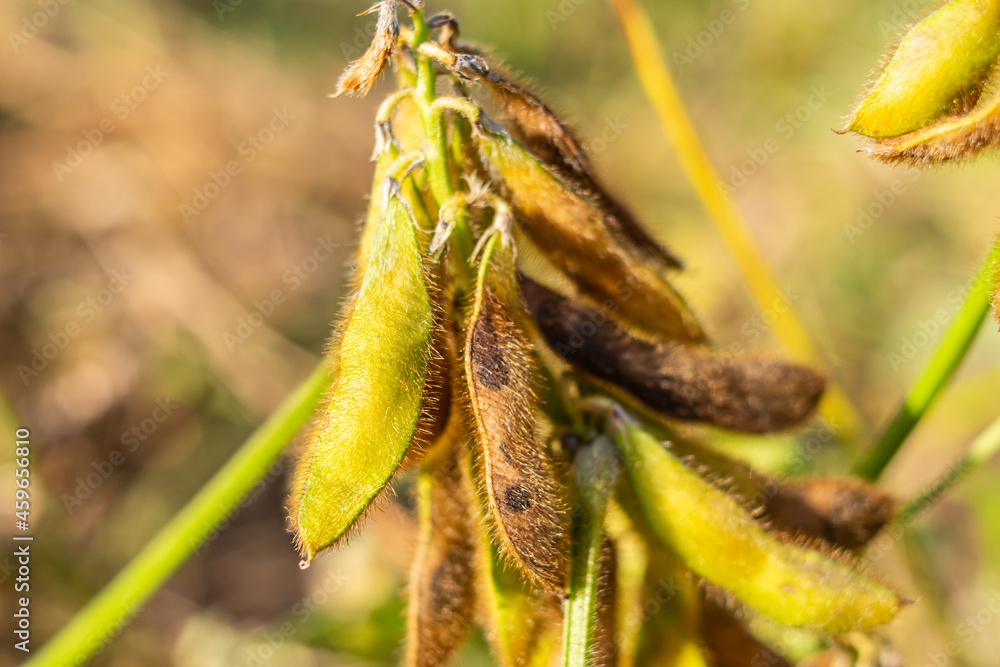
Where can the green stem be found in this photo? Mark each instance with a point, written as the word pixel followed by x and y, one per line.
pixel 932 378
pixel 595 483
pixel 121 599
pixel 442 186
pixel 982 449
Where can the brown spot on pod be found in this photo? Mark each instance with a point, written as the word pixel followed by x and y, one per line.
pixel 682 381
pixel 525 504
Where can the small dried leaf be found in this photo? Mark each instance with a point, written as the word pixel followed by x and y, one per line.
pixel 365 426
pixel 940 66
pixel 362 74
pixel 681 381
pixel 716 538
pixel 524 499
pixel 442 581
pixel 574 232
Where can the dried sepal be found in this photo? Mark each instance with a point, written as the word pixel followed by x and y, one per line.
pixel 573 232
pixel 953 138
pixel 365 424
pixel 524 499
pixel 361 75
pixel 940 67
pixel 718 540
pixel 442 582
pixel 680 381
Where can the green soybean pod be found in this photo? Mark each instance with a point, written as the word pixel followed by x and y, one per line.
pixel 940 67
pixel 719 541
pixel 365 426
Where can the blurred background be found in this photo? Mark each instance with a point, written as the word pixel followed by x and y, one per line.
pixel 178 204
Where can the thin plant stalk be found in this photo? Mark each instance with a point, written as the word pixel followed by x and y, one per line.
pixel 982 449
pixel 441 184
pixel 595 478
pixel 119 601
pixel 933 377
pixel 662 93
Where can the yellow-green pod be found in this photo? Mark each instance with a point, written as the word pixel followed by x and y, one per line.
pixel 941 64
pixel 718 540
pixel 365 425
pixel 573 232
pixel 526 507
pixel 671 607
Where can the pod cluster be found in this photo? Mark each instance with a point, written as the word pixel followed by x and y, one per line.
pixel 538 402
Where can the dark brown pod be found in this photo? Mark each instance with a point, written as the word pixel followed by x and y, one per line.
pixel 682 381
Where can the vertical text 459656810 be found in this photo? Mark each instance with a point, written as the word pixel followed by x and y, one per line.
pixel 22 541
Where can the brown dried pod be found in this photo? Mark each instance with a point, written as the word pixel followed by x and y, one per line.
pixel 677 380
pixel 442 583
pixel 843 512
pixel 573 231
pixel 534 124
pixel 362 74
pixel 524 499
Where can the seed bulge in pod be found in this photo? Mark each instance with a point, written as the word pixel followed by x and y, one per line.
pixel 719 541
pixel 442 581
pixel 364 427
pixel 940 67
pixel 524 498
pixel 682 381
pixel 573 232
